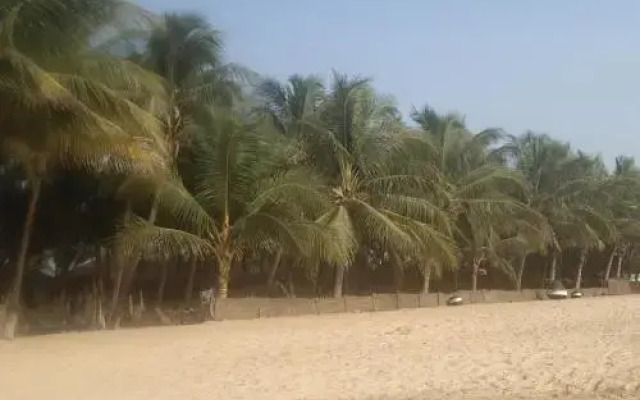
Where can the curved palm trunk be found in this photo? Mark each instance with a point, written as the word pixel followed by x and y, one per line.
pixel 339 280
pixel 162 285
pixel 188 291
pixel 119 260
pixel 554 266
pixel 474 275
pixel 426 277
pixel 13 305
pixel 520 273
pixel 607 271
pixel 117 285
pixel 99 320
pixel 291 290
pixel 123 282
pixel 619 269
pixel 153 215
pixel 274 268
pixel 398 273
pixel 153 212
pixel 581 263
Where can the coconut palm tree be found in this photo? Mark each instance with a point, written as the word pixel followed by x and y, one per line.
pixel 567 189
pixel 289 106
pixel 375 201
pixel 356 117
pixel 186 51
pixel 483 195
pixel 622 195
pixel 293 110
pixel 248 198
pixel 54 113
pixel 511 253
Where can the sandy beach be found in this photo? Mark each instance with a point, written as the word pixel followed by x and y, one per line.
pixel 572 349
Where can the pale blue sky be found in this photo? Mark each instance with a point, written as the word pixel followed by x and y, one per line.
pixel 570 68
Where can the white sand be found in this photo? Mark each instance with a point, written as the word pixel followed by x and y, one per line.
pixel 572 349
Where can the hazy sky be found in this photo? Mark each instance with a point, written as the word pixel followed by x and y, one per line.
pixel 570 68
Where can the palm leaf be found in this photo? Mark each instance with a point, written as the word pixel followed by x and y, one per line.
pixel 140 238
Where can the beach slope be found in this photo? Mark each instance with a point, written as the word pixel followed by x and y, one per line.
pixel 571 349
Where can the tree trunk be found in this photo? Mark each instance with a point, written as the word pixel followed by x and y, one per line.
pixel 223 285
pixel 426 277
pixel 339 280
pixel 188 291
pixel 117 285
pixel 153 213
pixel 607 271
pixel 581 262
pixel 520 273
pixel 455 280
pixel 224 267
pixel 119 260
pixel 474 276
pixel 225 257
pixel 163 283
pixel 398 273
pixel 619 269
pixel 99 321
pixel 274 268
pixel 554 265
pixel 290 286
pixel 14 300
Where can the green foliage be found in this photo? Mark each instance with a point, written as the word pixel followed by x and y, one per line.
pixel 229 167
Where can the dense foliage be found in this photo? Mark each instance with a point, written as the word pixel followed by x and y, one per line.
pixel 135 161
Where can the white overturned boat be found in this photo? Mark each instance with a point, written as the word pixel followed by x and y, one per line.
pixel 558 292
pixel 455 300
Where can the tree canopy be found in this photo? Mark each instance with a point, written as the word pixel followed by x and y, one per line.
pixel 128 139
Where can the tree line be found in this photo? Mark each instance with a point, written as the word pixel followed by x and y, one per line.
pixel 129 141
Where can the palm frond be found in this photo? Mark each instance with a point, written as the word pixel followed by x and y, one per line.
pixel 73 133
pixel 110 105
pixel 339 242
pixel 142 239
pixel 172 198
pixel 376 225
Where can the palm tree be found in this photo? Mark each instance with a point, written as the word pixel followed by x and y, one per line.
pixel 54 113
pixel 565 188
pixel 622 196
pixel 289 106
pixel 375 200
pixel 186 51
pixel 247 198
pixel 383 208
pixel 357 118
pixel 293 110
pixel 483 194
pixel 510 253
